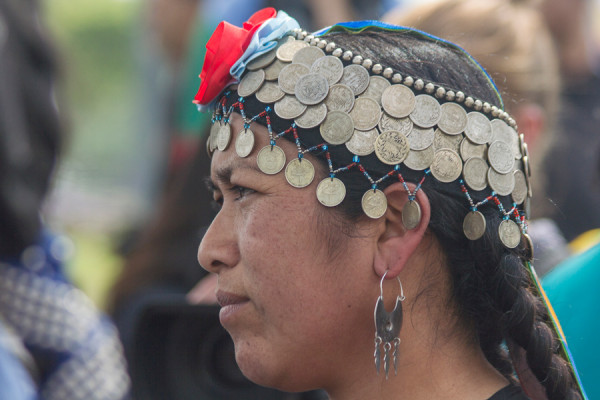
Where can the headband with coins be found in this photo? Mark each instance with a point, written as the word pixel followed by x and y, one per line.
pixel 368 107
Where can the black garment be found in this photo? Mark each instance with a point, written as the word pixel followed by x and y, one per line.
pixel 509 392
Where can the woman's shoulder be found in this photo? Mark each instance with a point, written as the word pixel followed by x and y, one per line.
pixel 510 392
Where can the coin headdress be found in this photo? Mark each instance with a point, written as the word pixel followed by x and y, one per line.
pixel 307 85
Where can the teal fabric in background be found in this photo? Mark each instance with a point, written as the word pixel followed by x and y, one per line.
pixel 574 291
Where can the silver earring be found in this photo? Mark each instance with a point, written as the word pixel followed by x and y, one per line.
pixel 387 329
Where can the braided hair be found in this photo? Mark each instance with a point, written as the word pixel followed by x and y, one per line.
pixel 491 286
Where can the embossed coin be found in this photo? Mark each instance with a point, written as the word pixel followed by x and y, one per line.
pixel 251 82
pixel 377 84
pixel 289 107
pixel 446 166
pixel 419 160
pixel 244 143
pixel 262 61
pixel 289 76
pixel 420 138
pixel 224 137
pixel 313 116
pixel 331 192
pixel 516 146
pixel 362 143
pixel 388 123
pixel 475 173
pixel 503 184
pixel 286 51
pixel 474 225
pixel 365 114
pixel 212 138
pixel 479 128
pixel 340 98
pixel 519 193
pixel 391 147
pixel 398 101
pixel 442 140
pixel 311 89
pixel 501 131
pixel 337 128
pixel 453 119
pixel 411 214
pixel 270 159
pixel 501 157
pixel 356 77
pixel 528 247
pixel 269 93
pixel 330 67
pixel 308 55
pixel 469 149
pixel 427 111
pixel 374 203
pixel 273 70
pixel 299 172
pixel 509 233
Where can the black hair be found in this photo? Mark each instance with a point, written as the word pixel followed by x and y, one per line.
pixel 29 123
pixel 490 283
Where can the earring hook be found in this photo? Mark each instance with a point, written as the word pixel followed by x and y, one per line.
pixel 399 283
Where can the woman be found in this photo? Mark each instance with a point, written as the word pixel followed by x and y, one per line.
pixel 395 131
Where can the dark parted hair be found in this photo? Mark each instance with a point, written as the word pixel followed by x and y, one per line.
pixel 30 134
pixel 490 283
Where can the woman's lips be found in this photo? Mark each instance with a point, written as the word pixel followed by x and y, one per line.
pixel 230 303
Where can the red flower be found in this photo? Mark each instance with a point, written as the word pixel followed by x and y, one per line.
pixel 226 45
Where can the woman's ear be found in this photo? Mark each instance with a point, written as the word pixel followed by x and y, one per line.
pixel 396 243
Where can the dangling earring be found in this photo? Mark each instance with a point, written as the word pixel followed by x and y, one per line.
pixel 387 329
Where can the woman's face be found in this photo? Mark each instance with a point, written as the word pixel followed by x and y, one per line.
pixel 295 308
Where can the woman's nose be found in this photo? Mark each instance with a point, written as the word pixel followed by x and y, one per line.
pixel 218 248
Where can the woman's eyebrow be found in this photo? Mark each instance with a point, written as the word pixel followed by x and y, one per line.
pixel 210 185
pixel 223 175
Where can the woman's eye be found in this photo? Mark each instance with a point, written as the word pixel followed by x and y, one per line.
pixel 241 191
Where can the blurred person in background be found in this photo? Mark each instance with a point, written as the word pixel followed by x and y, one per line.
pixel 53 342
pixel 511 41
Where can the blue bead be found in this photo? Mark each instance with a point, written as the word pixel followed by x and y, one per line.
pixel 397 167
pixel 374 186
pixel 331 175
pixel 272 143
pixel 300 155
pixel 325 147
pixel 268 109
pixel 355 159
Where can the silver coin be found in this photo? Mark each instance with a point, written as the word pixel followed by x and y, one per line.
pixel 313 116
pixel 427 111
pixel 442 140
pixel 289 107
pixel 398 101
pixel 446 166
pixel 474 225
pixel 269 93
pixel 340 98
pixel 362 143
pixel 374 203
pixel 469 149
pixel 501 157
pixel 418 160
pixel 212 138
pixel 510 233
pixel 262 61
pixel 479 128
pixel 287 50
pixel 475 173
pixel 224 137
pixel 453 119
pixel 377 84
pixel 528 247
pixel 519 193
pixel 391 147
pixel 388 123
pixel 527 172
pixel 311 89
pixel 289 76
pixel 251 82
pixel 331 192
pixel 411 214
pixel 273 70
pixel 337 128
pixel 308 55
pixel 365 114
pixel 502 184
pixel 299 172
pixel 501 131
pixel 356 77
pixel 420 138
pixel 526 162
pixel 244 143
pixel 516 146
pixel 270 159
pixel 330 67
